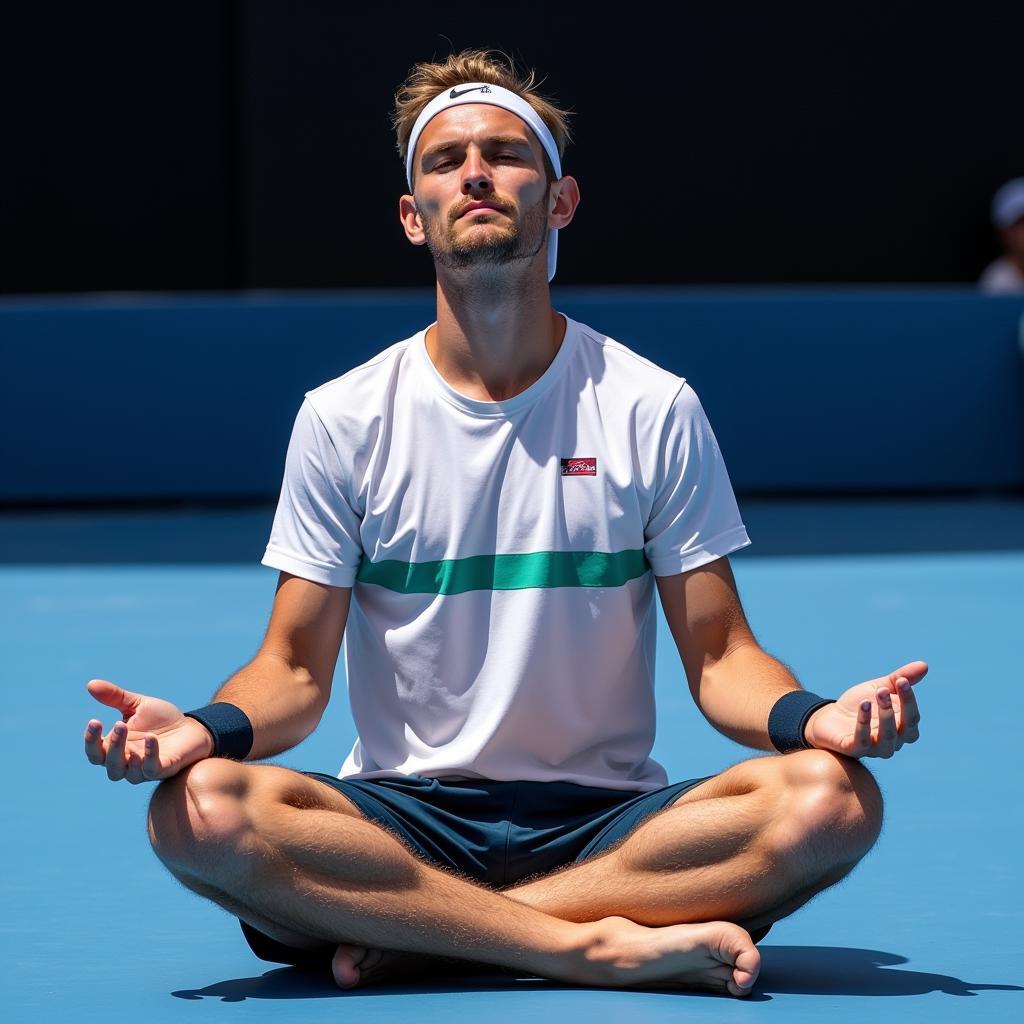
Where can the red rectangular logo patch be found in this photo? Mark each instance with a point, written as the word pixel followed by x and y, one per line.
pixel 579 467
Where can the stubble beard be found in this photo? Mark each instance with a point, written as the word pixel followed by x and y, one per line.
pixel 490 248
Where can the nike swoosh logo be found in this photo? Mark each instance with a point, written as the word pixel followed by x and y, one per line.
pixel 483 88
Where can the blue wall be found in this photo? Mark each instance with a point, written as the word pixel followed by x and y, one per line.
pixel 151 397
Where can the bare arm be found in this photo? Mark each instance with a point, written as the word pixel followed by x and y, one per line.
pixel 737 695
pixel 735 683
pixel 732 681
pixel 285 688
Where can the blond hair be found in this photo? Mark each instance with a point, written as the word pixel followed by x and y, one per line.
pixel 426 80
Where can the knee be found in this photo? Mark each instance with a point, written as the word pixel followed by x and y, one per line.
pixel 199 810
pixel 835 796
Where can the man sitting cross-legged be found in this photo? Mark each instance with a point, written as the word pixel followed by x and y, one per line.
pixel 484 512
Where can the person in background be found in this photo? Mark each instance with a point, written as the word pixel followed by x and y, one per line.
pixel 1005 276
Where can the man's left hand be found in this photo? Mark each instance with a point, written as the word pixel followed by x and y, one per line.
pixel 872 719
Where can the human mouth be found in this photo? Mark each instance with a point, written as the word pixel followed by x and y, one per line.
pixel 476 207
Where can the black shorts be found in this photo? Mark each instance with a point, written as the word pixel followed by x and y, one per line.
pixel 495 834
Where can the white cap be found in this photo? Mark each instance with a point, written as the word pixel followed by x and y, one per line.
pixel 1008 203
pixel 496 96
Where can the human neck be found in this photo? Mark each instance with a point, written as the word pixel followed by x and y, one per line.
pixel 491 345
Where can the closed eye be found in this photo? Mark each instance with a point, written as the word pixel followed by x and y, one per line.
pixel 500 156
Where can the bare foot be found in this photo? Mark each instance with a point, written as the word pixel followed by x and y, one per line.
pixel 717 956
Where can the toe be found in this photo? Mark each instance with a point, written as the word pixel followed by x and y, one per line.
pixel 738 951
pixel 747 967
pixel 345 967
pixel 745 971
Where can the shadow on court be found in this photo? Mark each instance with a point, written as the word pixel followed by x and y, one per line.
pixel 791 970
pixel 835 970
pixel 299 983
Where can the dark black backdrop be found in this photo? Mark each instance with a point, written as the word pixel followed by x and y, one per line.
pixel 223 144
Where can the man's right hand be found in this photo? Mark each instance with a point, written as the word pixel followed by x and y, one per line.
pixel 153 741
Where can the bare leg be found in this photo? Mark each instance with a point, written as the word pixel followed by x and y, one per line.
pixel 750 846
pixel 278 848
pixel 764 838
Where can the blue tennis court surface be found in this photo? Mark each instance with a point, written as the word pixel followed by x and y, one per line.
pixel 928 927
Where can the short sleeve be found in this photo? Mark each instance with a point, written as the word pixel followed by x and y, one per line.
pixel 694 517
pixel 315 533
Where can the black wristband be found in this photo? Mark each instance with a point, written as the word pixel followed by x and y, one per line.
pixel 789 716
pixel 229 726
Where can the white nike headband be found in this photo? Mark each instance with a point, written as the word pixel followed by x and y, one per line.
pixel 496 96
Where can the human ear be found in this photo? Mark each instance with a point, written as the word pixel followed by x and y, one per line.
pixel 409 215
pixel 565 198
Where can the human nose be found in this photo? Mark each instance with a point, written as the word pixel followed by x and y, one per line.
pixel 475 176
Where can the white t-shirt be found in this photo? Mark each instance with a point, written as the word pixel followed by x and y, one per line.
pixel 502 622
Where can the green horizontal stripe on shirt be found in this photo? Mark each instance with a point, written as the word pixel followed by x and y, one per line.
pixel 536 569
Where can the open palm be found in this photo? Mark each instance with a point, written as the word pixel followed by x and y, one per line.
pixel 871 719
pixel 154 740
